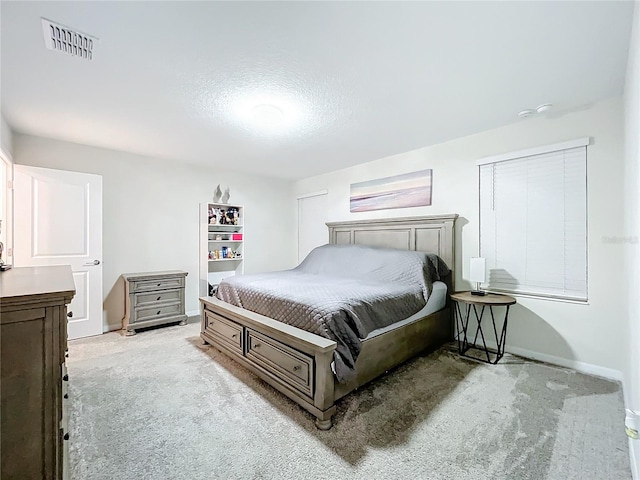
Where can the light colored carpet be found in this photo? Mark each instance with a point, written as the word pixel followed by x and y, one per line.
pixel 160 405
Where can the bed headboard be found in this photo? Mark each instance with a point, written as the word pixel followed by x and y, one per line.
pixel 432 234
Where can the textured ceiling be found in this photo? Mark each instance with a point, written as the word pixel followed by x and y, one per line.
pixel 358 80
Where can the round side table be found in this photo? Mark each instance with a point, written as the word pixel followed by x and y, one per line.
pixel 474 302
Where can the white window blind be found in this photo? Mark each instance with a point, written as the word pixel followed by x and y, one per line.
pixel 533 223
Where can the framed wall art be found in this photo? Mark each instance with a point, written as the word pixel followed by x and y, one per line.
pixel 400 191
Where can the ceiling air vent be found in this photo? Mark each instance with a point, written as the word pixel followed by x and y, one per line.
pixel 66 40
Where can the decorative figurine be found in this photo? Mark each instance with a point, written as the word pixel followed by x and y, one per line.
pixel 225 197
pixel 216 194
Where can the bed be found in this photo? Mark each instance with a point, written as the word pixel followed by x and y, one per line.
pixel 302 365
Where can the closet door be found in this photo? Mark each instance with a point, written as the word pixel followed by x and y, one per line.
pixel 312 218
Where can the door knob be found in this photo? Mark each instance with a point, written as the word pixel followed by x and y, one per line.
pixel 90 264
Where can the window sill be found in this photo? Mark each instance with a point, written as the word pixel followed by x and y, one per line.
pixel 538 297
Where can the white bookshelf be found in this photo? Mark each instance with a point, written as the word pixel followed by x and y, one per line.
pixel 221 243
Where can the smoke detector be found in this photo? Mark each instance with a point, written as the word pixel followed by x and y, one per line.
pixel 545 107
pixel 526 113
pixel 67 40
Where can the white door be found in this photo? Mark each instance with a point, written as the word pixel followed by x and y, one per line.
pixel 312 218
pixel 58 221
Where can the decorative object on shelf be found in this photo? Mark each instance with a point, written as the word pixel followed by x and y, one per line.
pixel 225 253
pixel 225 196
pixel 400 191
pixel 217 194
pixel 477 274
pixel 224 216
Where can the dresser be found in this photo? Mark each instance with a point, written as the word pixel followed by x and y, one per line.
pixel 153 298
pixel 34 433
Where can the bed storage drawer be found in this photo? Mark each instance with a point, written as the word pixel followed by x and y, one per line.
pixel 289 365
pixel 225 331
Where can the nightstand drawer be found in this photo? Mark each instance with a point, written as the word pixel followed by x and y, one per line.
pixel 158 284
pixel 161 296
pixel 144 314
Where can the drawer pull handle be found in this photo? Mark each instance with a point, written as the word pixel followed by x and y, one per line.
pixel 257 345
pixel 158 298
pixel 158 312
pixel 158 284
pixel 66 436
pixel 296 368
pixel 234 335
pixel 66 378
pixel 66 395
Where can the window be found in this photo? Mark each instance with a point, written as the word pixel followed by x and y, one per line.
pixel 533 221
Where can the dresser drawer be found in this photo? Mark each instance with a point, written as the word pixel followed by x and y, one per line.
pixel 228 333
pixel 144 314
pixel 159 284
pixel 288 364
pixel 162 296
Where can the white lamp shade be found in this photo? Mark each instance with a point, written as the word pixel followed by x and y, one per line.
pixel 477 271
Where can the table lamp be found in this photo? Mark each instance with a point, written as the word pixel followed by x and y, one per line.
pixel 477 274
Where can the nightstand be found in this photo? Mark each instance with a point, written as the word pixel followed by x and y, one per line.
pixel 153 298
pixel 496 332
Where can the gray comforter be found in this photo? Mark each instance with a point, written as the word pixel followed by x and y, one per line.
pixel 341 292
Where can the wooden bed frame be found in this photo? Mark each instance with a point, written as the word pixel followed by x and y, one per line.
pixel 297 362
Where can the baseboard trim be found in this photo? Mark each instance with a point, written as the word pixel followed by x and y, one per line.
pixel 632 421
pixel 114 328
pixel 583 367
pixel 634 456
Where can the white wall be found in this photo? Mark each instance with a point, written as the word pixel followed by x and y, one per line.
pixel 6 137
pixel 590 337
pixel 632 224
pixel 6 197
pixel 150 213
